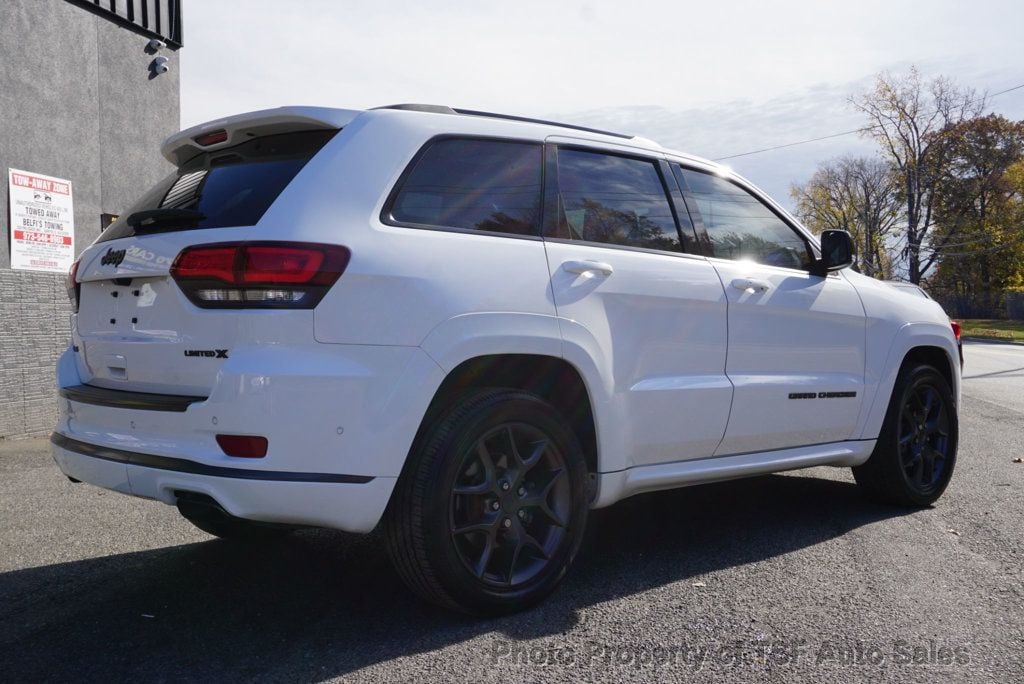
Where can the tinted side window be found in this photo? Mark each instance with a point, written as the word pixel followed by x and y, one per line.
pixel 740 226
pixel 486 185
pixel 615 200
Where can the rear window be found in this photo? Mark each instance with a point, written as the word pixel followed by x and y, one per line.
pixel 473 184
pixel 228 187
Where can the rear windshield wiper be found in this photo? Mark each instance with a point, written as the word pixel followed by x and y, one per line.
pixel 152 219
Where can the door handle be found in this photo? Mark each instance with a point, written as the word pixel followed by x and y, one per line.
pixel 751 285
pixel 595 267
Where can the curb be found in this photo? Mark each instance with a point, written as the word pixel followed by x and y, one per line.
pixel 991 340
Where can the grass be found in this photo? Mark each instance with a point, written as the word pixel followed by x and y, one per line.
pixel 1009 331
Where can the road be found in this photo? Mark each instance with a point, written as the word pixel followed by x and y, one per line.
pixel 995 374
pixel 789 577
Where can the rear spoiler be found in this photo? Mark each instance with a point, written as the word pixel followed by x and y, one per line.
pixel 232 130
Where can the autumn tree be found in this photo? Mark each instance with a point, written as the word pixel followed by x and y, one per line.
pixel 914 121
pixel 979 215
pixel 856 194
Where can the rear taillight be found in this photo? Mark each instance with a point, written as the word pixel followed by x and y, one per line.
pixel 259 275
pixel 74 288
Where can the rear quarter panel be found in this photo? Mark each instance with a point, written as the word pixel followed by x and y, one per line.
pixel 401 282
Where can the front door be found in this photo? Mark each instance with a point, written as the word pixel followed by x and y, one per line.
pixel 796 340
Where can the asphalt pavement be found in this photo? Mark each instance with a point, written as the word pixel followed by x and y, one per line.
pixel 790 577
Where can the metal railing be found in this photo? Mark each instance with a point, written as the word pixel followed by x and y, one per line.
pixel 155 18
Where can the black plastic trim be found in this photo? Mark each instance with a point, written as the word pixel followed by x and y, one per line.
pixel 140 401
pixel 445 109
pixel 704 245
pixel 182 465
pixel 550 197
pixel 417 107
pixel 684 222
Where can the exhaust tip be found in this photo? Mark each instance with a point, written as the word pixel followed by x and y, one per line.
pixel 196 505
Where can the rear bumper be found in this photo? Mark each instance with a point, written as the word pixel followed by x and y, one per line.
pixel 346 502
pixel 324 409
pixel 339 421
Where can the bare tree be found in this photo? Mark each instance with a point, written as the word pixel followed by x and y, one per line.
pixel 911 119
pixel 855 194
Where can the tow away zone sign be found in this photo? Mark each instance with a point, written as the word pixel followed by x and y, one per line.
pixel 42 227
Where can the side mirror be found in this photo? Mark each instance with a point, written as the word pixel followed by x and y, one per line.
pixel 836 252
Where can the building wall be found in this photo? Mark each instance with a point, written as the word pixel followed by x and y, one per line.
pixel 77 101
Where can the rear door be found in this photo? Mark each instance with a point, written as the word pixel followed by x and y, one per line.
pixel 796 340
pixel 632 296
pixel 135 329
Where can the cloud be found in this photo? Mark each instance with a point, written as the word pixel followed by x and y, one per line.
pixel 711 79
pixel 740 126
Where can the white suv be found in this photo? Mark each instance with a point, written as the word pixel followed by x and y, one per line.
pixel 471 329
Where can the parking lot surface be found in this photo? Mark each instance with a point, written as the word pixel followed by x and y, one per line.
pixel 784 577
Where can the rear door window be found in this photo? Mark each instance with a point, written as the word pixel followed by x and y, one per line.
pixel 472 184
pixel 223 188
pixel 614 200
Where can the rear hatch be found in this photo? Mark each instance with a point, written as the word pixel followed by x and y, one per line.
pixel 137 328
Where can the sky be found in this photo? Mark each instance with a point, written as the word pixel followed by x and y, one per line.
pixel 712 79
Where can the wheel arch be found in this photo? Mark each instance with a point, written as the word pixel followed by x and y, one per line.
pixel 936 357
pixel 552 378
pixel 927 343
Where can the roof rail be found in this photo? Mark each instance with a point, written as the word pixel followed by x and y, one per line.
pixel 414 107
pixel 444 109
pixel 526 119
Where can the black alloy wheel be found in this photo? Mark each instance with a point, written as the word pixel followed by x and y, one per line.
pixel 924 437
pixel 490 509
pixel 510 505
pixel 915 454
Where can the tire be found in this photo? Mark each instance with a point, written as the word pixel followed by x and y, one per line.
pixel 490 510
pixel 915 454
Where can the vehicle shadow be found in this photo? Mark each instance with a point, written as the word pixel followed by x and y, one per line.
pixel 322 604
